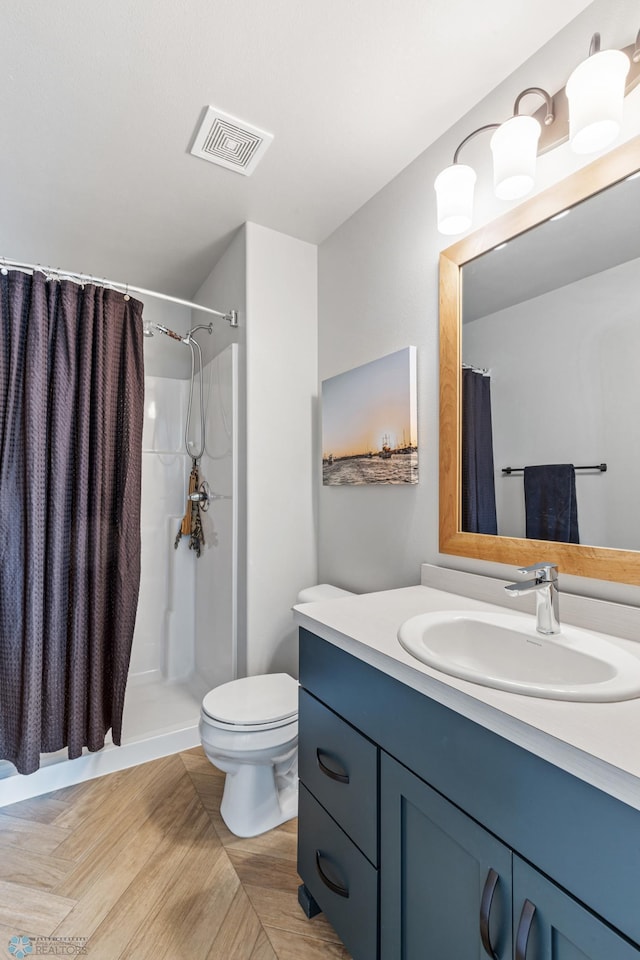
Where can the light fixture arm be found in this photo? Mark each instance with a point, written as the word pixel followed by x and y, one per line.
pixel 474 133
pixel 548 99
pixel 635 56
pixel 594 46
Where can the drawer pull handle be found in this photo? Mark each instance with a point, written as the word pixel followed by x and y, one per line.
pixel 524 929
pixel 334 887
pixel 490 885
pixel 340 777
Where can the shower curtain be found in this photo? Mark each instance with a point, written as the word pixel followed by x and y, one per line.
pixel 71 409
pixel 478 481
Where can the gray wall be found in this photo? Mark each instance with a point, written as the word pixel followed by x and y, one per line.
pixel 378 292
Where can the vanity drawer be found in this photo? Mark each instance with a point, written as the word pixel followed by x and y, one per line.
pixel 340 767
pixel 338 877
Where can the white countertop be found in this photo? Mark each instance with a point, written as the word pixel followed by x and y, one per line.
pixel 597 742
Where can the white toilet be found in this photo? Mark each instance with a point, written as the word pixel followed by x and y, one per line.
pixel 249 730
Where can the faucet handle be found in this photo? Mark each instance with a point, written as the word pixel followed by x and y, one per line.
pixel 548 570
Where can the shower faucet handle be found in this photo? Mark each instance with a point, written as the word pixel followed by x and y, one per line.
pixel 202 496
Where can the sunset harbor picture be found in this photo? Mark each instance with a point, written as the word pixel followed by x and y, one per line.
pixel 369 423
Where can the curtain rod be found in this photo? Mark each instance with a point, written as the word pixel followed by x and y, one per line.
pixel 231 316
pixel 483 370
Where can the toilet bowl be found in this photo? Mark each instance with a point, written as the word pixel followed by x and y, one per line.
pixel 249 730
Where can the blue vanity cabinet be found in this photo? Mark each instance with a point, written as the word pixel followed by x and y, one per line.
pixel 464 835
pixel 449 889
pixel 550 925
pixel 338 825
pixel 338 878
pixel 445 886
pixel 340 768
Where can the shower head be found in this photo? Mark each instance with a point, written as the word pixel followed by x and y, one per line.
pixel 169 333
pixel 150 325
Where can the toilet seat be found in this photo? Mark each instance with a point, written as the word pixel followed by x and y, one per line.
pixel 253 703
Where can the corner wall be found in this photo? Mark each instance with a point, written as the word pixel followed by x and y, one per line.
pixel 378 292
pixel 271 279
pixel 281 415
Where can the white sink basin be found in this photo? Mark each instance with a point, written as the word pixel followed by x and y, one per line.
pixel 504 651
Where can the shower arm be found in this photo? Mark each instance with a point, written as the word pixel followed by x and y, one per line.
pixel 201 326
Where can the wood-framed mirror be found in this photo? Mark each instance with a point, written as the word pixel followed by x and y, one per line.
pixel 468 276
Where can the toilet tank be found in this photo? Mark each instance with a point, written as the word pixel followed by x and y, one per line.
pixel 322 591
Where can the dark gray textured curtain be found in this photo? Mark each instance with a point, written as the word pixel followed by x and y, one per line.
pixel 71 409
pixel 478 480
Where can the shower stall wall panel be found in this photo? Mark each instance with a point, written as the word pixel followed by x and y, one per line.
pixel 217 569
pixel 167 589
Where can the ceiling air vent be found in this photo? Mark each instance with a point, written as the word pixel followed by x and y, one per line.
pixel 230 142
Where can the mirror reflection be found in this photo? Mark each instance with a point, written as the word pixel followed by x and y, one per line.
pixel 551 378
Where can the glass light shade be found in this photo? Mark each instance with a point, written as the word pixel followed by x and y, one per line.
pixel 454 193
pixel 595 91
pixel 514 146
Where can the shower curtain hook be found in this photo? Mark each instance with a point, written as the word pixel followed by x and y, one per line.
pixel 5 269
pixel 126 293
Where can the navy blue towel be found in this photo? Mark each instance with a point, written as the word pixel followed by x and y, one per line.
pixel 550 502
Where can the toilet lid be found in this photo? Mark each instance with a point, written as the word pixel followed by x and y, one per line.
pixel 253 700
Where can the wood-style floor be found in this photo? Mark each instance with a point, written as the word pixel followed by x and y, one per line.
pixel 141 864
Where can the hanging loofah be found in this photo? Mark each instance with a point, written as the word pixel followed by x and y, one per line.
pixel 191 525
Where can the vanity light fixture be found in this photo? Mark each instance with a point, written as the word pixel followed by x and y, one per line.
pixel 588 112
pixel 454 191
pixel 514 146
pixel 595 91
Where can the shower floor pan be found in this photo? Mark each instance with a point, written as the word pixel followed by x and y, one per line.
pixel 159 719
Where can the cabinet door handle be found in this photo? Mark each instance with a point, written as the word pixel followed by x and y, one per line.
pixel 524 929
pixel 490 885
pixel 340 777
pixel 334 887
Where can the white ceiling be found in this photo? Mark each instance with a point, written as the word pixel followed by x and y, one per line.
pixel 99 103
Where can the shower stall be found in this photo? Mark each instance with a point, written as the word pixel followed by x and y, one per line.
pixel 185 639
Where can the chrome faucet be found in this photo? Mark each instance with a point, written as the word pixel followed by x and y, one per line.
pixel 545 586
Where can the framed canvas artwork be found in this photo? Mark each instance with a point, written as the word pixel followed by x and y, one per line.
pixel 369 422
